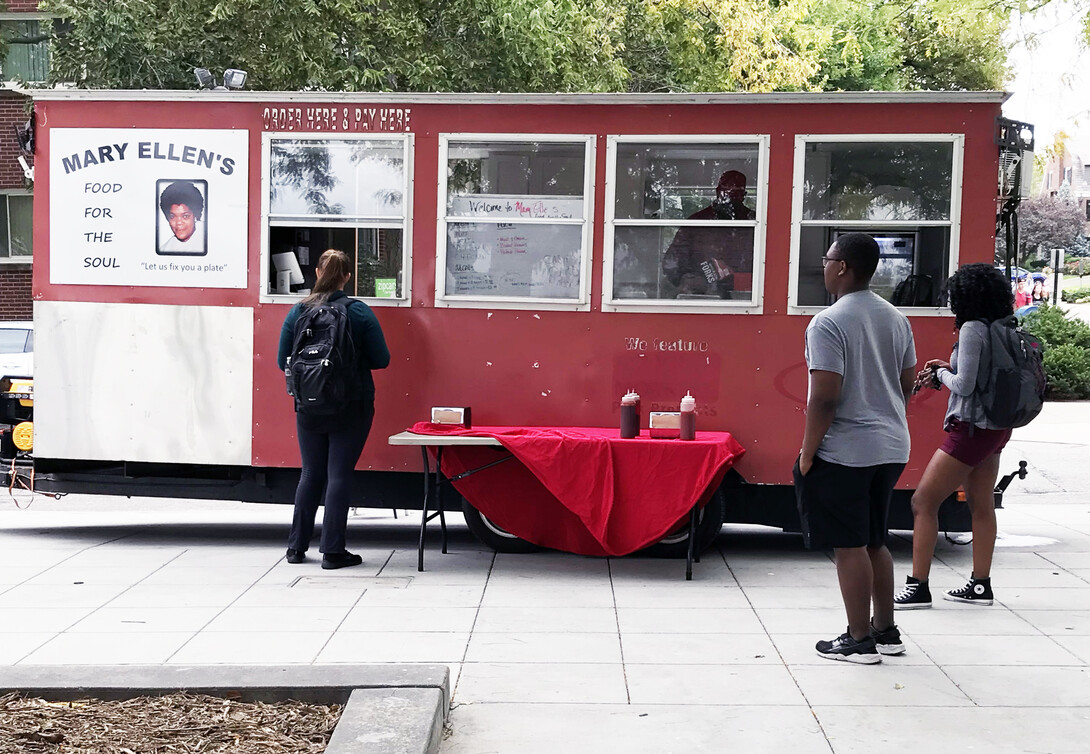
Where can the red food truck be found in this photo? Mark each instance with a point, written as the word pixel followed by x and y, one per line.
pixel 534 257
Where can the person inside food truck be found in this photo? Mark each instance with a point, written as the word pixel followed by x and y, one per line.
pixel 702 261
pixel 183 206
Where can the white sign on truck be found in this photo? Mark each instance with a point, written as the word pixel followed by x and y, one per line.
pixel 148 207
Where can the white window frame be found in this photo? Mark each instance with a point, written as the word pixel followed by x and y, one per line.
pixel 407 141
pixel 797 223
pixel 725 306
pixel 10 260
pixel 442 298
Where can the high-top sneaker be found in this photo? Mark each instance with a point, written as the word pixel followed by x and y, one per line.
pixel 976 592
pixel 914 596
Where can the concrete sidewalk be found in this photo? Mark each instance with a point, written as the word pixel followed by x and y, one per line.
pixel 554 652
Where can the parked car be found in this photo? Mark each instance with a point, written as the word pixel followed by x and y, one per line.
pixel 16 388
pixel 1017 273
pixel 16 349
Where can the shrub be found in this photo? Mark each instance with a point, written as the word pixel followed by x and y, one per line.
pixel 1067 352
pixel 1054 328
pixel 1075 295
pixel 1068 369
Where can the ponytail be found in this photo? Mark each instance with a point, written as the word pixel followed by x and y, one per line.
pixel 333 266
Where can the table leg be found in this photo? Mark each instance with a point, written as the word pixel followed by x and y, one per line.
pixel 439 497
pixel 692 543
pixel 424 512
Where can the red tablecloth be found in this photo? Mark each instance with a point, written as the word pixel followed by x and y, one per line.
pixel 585 490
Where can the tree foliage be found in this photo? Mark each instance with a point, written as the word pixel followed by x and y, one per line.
pixel 535 45
pixel 1051 222
pixel 912 44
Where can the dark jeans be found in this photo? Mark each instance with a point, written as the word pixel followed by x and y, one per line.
pixel 329 458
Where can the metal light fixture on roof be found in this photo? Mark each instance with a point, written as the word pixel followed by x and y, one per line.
pixel 233 78
pixel 205 79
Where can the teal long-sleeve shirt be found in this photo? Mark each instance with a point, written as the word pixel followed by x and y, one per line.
pixel 371 349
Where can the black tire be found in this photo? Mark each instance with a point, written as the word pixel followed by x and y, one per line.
pixel 676 543
pixel 492 535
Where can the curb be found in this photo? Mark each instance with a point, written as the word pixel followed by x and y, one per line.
pixel 388 709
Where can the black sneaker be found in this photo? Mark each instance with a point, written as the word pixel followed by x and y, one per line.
pixel 845 648
pixel 333 560
pixel 914 596
pixel 976 592
pixel 887 642
pixel 295 556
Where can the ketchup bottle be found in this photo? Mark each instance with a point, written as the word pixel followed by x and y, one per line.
pixel 688 417
pixel 630 415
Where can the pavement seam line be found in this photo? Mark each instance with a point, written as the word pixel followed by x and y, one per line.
pixel 473 628
pixel 786 666
pixel 620 637
pixel 95 609
pixel 314 660
pixel 218 614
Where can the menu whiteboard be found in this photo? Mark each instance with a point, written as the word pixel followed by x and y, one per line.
pixel 533 260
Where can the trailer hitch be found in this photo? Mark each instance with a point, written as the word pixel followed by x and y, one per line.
pixel 1001 487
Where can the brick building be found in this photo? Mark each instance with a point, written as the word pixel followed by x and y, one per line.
pixel 1072 166
pixel 27 60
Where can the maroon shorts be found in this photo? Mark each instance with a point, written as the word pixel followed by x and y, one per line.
pixel 973 449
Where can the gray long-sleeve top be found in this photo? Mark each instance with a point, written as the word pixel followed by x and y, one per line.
pixel 960 379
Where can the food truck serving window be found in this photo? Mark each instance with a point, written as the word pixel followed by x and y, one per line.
pixel 899 189
pixel 685 223
pixel 513 221
pixel 348 193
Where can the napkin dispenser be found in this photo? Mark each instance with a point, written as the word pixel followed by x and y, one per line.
pixel 451 415
pixel 665 425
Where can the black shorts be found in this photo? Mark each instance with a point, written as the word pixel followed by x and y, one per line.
pixel 845 506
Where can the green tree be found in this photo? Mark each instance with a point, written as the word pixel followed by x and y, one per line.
pixel 464 45
pixel 1049 222
pixel 533 45
pixel 911 44
pixel 698 45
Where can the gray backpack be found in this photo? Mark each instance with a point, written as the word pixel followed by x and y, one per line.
pixel 1010 385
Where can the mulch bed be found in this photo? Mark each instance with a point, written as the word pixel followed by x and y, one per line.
pixel 178 723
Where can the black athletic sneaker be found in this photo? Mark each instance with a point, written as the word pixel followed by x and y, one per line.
pixel 295 556
pixel 887 642
pixel 845 648
pixel 976 592
pixel 914 596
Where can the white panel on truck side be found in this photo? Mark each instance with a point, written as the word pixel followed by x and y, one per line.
pixel 143 382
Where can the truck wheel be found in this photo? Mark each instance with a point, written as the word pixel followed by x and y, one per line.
pixel 493 535
pixel 708 523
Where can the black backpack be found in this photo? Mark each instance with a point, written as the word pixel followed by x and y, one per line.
pixel 914 290
pixel 1010 385
pixel 322 374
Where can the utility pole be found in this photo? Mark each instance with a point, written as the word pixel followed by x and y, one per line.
pixel 1057 274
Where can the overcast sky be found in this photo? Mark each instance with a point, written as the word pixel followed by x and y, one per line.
pixel 1051 83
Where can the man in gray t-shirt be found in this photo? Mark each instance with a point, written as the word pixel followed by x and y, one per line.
pixel 862 362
